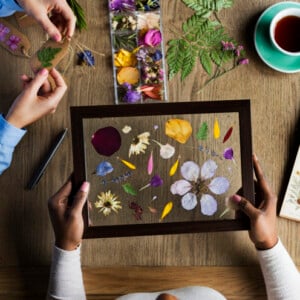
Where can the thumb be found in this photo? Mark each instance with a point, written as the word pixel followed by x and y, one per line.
pixel 80 198
pixel 245 206
pixel 36 83
pixel 49 27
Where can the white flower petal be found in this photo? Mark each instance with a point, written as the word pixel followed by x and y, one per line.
pixel 189 201
pixel 208 169
pixel 167 151
pixel 219 185
pixel 190 171
pixel 209 205
pixel 180 187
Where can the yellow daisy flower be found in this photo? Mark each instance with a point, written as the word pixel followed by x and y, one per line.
pixel 107 203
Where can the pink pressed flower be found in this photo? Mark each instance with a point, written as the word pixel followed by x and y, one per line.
pixel 238 50
pixel 243 61
pixel 13 42
pixel 152 38
pixel 227 46
pixel 3 32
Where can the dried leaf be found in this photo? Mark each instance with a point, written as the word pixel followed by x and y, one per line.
pixel 228 134
pixel 167 209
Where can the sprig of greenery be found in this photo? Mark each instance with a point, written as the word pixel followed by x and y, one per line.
pixel 79 13
pixel 46 55
pixel 202 38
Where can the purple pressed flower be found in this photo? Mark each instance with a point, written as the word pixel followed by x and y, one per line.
pixel 243 61
pixel 155 181
pixel 13 42
pixel 228 153
pixel 3 32
pixel 120 5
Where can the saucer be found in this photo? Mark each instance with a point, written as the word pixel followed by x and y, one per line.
pixel 263 44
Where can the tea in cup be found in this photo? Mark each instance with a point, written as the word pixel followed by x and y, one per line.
pixel 285 31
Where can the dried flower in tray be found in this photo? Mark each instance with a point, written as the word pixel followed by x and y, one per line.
pixel 124 22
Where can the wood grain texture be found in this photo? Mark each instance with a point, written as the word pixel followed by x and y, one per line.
pixel 234 282
pixel 25 231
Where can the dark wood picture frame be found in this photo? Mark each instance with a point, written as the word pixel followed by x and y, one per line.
pixel 242 107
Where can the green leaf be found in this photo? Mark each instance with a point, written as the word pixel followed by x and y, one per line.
pixel 129 189
pixel 175 56
pixel 46 55
pixel 202 132
pixel 205 61
pixel 189 61
pixel 79 13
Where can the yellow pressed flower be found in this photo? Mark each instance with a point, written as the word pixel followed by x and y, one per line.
pixel 107 203
pixel 139 144
pixel 179 130
pixel 124 58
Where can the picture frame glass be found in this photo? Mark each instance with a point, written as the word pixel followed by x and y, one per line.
pixel 161 166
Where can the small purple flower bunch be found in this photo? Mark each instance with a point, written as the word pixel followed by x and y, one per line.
pixel 152 73
pixel 238 52
pixel 122 5
pixel 132 95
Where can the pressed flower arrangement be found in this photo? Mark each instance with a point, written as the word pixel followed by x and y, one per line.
pixel 137 49
pixel 166 165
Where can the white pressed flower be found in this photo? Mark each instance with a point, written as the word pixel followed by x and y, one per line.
pixel 126 129
pixel 139 144
pixel 107 203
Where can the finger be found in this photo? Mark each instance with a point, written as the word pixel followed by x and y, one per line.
pixel 61 196
pixel 245 206
pixel 80 198
pixel 49 27
pixel 37 82
pixel 60 89
pixel 268 196
pixel 70 19
pixel 25 80
pixel 45 88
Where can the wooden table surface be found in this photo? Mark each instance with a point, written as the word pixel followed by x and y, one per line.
pixel 26 236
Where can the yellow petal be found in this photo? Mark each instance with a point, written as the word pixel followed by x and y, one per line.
pixel 167 209
pixel 124 58
pixel 174 167
pixel 179 130
pixel 216 129
pixel 127 163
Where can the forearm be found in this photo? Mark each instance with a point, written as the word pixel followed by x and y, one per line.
pixel 281 276
pixel 66 281
pixel 10 136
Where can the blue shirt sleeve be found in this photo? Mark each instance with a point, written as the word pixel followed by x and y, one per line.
pixel 10 136
pixel 9 7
